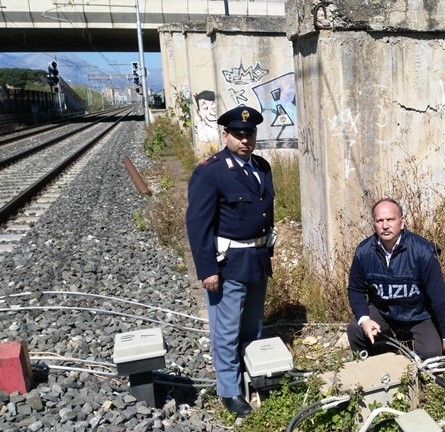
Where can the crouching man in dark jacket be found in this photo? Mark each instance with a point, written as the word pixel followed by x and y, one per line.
pixel 396 286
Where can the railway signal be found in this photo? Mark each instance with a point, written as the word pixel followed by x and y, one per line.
pixel 53 76
pixel 134 70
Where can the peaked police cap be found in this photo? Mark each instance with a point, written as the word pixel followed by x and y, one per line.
pixel 241 119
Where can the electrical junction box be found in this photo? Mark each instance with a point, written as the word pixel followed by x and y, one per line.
pixel 379 376
pixel 139 351
pixel 417 421
pixel 266 361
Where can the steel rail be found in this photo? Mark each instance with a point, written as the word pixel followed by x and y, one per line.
pixel 14 205
pixel 21 155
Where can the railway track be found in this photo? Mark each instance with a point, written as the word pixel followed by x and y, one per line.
pixel 29 167
pixel 11 136
pixel 83 274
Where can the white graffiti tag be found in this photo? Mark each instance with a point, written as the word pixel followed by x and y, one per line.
pixel 345 123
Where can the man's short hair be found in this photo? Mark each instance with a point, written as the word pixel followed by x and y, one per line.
pixel 390 200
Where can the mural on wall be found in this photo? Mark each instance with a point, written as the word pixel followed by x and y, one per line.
pixel 275 99
pixel 205 121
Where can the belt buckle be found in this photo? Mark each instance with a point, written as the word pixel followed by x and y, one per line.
pixel 258 241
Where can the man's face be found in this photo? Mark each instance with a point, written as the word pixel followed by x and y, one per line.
pixel 241 145
pixel 388 223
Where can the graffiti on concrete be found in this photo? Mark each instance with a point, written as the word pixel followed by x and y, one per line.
pixel 241 76
pixel 307 145
pixel 345 123
pixel 277 101
pixel 238 96
pixel 206 128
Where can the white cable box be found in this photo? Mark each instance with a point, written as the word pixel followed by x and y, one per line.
pixel 267 357
pixel 138 345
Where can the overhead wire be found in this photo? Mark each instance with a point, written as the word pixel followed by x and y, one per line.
pixel 87 40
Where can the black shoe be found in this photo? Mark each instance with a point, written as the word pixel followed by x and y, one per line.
pixel 238 405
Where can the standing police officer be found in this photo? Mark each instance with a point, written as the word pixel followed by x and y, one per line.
pixel 230 230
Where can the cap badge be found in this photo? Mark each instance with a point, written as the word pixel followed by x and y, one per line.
pixel 245 115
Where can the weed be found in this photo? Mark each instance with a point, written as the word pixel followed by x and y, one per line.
pixel 166 181
pixel 274 412
pixel 166 138
pixel 139 220
pixel 183 104
pixel 167 220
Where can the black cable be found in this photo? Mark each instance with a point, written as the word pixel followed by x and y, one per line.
pixel 313 408
pixel 299 373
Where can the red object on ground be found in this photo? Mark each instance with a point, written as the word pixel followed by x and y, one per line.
pixel 15 367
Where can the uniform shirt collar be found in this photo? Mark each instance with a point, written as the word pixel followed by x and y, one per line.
pixel 242 162
pixel 389 254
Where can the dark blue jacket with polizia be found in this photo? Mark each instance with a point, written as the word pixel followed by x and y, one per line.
pixel 411 288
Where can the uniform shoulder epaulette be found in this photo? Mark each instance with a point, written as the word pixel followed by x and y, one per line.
pixel 210 160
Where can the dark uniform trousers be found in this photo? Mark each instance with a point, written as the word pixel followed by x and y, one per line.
pixel 423 335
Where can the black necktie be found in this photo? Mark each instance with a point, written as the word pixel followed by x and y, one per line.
pixel 251 175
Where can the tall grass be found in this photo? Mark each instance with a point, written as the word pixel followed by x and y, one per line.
pixel 166 210
pixel 286 177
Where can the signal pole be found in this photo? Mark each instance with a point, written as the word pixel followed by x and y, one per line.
pixel 142 68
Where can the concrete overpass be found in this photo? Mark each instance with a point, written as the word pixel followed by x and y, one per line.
pixel 108 25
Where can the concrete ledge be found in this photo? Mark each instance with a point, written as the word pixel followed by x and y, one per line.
pixel 304 17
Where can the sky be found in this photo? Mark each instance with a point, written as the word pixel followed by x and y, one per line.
pixel 110 61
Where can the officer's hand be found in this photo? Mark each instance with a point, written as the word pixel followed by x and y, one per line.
pixel 443 345
pixel 370 329
pixel 211 283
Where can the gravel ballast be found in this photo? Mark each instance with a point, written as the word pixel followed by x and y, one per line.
pixel 87 243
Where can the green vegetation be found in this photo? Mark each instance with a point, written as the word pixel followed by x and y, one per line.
pixel 299 291
pixel 93 99
pixel 30 79
pixel 286 176
pixel 165 142
pixel 139 220
pixel 27 79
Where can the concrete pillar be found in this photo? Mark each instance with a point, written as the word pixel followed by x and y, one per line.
pixel 252 60
pixel 371 107
pixel 206 136
pixel 174 63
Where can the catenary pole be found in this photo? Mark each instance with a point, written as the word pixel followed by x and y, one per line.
pixel 142 67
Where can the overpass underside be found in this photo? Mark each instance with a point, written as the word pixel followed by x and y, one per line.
pixel 108 25
pixel 80 40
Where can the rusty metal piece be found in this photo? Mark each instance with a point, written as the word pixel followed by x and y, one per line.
pixel 318 26
pixel 136 177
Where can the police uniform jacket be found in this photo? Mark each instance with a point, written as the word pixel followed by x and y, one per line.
pixel 224 202
pixel 407 290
